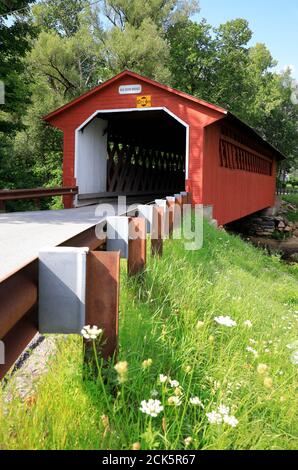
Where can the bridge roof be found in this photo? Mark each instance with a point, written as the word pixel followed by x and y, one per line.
pixel 176 93
pixel 128 73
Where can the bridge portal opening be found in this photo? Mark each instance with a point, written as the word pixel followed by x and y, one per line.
pixel 137 153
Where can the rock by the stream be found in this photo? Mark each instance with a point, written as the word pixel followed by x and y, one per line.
pixel 264 225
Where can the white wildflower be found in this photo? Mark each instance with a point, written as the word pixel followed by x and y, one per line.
pixel 176 401
pixel 174 383
pixel 262 369
pixel 121 369
pixel 151 407
pixel 214 417
pixel 230 420
pixel 91 332
pixel 223 410
pixel 247 323
pixel 225 321
pixel 252 350
pixel 221 415
pixel 293 345
pixel 188 441
pixel 252 341
pixel 216 384
pixel 178 391
pixel 196 402
pixel 294 358
pixel 163 378
pixel 147 363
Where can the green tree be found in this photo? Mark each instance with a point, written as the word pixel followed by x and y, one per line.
pixel 232 58
pixel 14 42
pixel 192 57
pixel 211 63
pixel 61 17
pixel 162 13
pixel 219 66
pixel 15 33
pixel 142 50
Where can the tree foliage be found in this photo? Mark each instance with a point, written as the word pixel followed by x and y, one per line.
pixel 14 42
pixel 218 65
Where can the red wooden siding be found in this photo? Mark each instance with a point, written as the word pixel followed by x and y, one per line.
pixel 233 192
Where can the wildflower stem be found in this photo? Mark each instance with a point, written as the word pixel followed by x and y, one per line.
pixel 184 409
pixel 99 375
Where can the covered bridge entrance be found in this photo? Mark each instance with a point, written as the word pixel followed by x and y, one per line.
pixel 136 137
pixel 130 152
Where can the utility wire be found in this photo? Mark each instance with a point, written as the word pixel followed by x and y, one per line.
pixel 28 6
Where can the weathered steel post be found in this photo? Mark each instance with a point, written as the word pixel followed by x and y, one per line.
pixel 171 206
pixel 102 299
pixel 157 231
pixel 179 202
pixel 136 262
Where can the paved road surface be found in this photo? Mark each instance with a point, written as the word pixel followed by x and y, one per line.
pixel 22 234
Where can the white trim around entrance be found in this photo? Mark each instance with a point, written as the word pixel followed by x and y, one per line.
pixel 125 110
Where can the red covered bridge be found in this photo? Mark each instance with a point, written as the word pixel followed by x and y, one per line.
pixel 133 136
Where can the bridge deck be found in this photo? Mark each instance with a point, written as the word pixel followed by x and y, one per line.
pixel 23 234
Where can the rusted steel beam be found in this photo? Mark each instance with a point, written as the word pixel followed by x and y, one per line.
pixel 136 262
pixel 17 327
pixel 17 339
pixel 157 231
pixel 13 194
pixel 102 298
pixel 87 238
pixel 18 295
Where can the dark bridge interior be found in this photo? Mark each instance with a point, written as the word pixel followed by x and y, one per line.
pixel 146 153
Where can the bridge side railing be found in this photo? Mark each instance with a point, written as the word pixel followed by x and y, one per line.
pixel 36 194
pixel 19 302
pixel 286 191
pixel 19 292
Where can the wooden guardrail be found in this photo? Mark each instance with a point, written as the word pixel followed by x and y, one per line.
pixel 36 194
pixel 19 292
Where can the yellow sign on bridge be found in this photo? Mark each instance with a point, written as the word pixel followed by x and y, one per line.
pixel 144 101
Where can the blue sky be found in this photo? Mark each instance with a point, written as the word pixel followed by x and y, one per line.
pixel 273 22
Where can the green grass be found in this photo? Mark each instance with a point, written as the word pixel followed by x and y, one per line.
pixel 292 199
pixel 158 320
